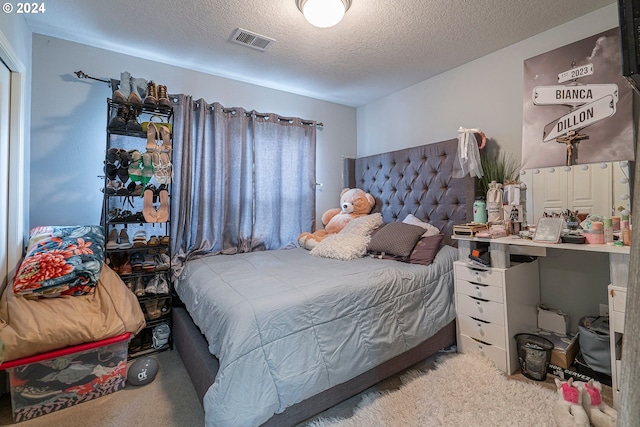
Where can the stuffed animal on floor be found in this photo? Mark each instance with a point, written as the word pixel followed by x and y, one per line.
pixel 568 410
pixel 354 203
pixel 600 414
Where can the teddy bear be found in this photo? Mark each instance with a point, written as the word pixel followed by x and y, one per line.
pixel 354 203
pixel 600 414
pixel 568 410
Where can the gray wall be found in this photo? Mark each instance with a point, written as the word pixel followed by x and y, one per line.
pixel 69 122
pixel 485 93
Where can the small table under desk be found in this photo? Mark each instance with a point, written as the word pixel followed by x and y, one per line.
pixel 500 301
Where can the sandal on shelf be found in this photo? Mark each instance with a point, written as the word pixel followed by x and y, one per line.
pixel 164 173
pixel 148 265
pixel 135 166
pixel 165 135
pixel 140 239
pixel 147 168
pixel 153 241
pixel 162 214
pixel 136 261
pixel 152 135
pixel 148 211
pixel 165 240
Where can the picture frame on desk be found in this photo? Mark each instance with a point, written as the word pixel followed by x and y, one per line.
pixel 548 230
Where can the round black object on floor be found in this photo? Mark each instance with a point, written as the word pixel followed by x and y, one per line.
pixel 142 371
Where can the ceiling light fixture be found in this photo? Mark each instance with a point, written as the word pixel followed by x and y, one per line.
pixel 323 13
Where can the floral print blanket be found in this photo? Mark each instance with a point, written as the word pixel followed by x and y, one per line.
pixel 61 260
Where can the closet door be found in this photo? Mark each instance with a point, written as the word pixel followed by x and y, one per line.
pixel 5 77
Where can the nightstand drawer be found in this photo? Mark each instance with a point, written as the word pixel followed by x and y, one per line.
pixel 485 277
pixel 491 333
pixel 496 354
pixel 488 311
pixel 478 290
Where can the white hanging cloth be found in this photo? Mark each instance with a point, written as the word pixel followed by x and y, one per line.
pixel 469 153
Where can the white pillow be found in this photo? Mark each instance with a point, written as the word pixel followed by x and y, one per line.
pixel 363 225
pixel 431 230
pixel 342 246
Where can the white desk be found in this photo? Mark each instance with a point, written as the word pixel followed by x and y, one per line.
pixel 619 258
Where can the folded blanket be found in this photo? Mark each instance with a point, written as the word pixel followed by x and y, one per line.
pixel 29 327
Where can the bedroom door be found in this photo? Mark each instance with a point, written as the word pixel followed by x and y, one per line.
pixel 5 77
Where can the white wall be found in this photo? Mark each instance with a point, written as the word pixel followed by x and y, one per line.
pixel 69 122
pixel 485 93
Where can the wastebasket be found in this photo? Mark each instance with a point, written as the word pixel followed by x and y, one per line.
pixel 534 354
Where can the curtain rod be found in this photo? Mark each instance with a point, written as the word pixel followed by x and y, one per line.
pixel 82 75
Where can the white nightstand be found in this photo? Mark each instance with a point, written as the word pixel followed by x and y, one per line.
pixel 493 305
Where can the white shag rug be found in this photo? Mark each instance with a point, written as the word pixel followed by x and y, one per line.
pixel 464 390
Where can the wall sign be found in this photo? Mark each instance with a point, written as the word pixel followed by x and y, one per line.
pixel 578 108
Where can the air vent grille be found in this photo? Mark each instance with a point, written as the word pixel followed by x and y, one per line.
pixel 252 39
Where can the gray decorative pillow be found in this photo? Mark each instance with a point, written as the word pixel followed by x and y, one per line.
pixel 396 238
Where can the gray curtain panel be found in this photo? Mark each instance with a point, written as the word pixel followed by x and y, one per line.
pixel 244 181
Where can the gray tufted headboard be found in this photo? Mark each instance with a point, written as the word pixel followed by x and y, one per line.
pixel 416 181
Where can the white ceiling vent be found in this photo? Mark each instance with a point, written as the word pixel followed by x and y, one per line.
pixel 251 39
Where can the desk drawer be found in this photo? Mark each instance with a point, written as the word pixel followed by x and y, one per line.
pixel 478 290
pixel 488 311
pixel 489 277
pixel 491 333
pixel 496 354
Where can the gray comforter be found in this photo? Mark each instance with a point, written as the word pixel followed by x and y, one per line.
pixel 286 325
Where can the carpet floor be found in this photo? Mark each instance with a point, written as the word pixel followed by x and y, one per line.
pixel 171 401
pixel 464 390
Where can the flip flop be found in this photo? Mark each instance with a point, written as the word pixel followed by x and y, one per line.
pixel 162 215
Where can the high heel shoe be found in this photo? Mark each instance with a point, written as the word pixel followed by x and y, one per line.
pixel 152 136
pixel 165 135
pixel 148 211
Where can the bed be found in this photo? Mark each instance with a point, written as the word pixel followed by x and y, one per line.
pixel 355 322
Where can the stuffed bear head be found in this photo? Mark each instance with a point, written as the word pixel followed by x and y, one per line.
pixel 355 201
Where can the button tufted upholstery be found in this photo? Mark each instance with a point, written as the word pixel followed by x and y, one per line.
pixel 416 181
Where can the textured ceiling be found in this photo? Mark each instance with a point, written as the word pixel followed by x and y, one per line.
pixel 380 47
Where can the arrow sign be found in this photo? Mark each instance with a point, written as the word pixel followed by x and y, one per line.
pixel 573 95
pixel 580 118
pixel 574 73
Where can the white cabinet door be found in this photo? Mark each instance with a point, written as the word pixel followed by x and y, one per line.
pixel 579 190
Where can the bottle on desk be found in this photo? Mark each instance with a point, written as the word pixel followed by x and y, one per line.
pixel 608 231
